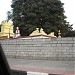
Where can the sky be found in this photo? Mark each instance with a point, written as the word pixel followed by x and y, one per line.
pixel 68 7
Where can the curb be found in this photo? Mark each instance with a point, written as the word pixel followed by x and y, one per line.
pixel 48 72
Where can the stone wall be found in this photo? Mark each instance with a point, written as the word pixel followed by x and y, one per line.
pixel 40 48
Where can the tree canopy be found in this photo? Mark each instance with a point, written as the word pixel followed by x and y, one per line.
pixel 46 14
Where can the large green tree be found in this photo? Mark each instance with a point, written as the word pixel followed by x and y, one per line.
pixel 46 14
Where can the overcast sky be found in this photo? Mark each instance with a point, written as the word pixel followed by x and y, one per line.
pixel 68 7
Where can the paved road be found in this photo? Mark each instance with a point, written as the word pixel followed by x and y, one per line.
pixel 43 65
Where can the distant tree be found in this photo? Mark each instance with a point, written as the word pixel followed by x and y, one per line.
pixel 46 14
pixel 70 33
pixel 9 15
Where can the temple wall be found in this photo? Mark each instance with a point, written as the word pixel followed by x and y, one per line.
pixel 40 48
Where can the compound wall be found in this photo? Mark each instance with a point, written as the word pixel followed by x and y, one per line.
pixel 40 48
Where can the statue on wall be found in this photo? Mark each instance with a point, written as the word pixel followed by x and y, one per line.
pixel 17 33
pixel 41 33
pixel 59 34
pixel 6 29
pixel 35 32
pixel 51 34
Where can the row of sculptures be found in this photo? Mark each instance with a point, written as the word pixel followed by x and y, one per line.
pixel 41 32
pixel 7 31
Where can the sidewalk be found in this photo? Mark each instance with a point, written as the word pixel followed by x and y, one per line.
pixel 43 66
